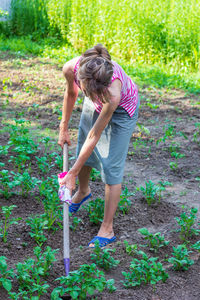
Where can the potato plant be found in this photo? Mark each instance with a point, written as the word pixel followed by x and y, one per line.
pixel 82 282
pixel 103 258
pixel 180 259
pixel 7 221
pixel 143 271
pixel 187 222
pixel 155 241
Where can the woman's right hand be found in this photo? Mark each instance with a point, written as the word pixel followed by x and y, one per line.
pixel 64 137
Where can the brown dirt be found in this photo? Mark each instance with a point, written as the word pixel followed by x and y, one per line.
pixel 30 81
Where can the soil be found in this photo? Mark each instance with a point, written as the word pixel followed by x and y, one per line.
pixel 32 88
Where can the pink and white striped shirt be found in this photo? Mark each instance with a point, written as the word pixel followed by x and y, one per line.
pixel 129 91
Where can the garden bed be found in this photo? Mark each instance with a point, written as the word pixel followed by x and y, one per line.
pixel 164 148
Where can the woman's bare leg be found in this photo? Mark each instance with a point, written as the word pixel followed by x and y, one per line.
pixel 112 197
pixel 83 189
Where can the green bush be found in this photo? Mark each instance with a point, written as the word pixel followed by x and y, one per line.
pixel 142 31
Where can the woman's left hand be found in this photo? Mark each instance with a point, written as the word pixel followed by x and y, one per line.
pixel 69 181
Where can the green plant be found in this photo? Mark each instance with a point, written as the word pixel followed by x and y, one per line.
pixel 155 241
pixel 180 259
pixel 75 222
pixel 125 203
pixel 151 105
pixel 186 221
pixel 169 133
pixel 56 159
pixel 177 155
pixel 173 165
pixel 49 198
pixel 131 249
pixel 46 141
pixel 103 258
pixel 20 138
pixel 43 164
pixel 144 270
pixel 174 147
pixel 27 183
pixel 152 192
pixel 78 284
pixel 196 246
pixel 9 182
pixel 4 150
pixel 196 134
pixel 19 161
pixel 4 225
pixel 6 275
pixel 95 175
pixel 30 274
pixel 38 224
pixel 45 259
pixel 95 210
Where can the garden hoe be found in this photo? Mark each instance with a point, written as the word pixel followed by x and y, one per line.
pixel 64 195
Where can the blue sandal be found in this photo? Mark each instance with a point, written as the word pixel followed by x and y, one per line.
pixel 74 207
pixel 102 241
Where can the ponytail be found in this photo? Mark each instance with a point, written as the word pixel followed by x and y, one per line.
pixel 95 72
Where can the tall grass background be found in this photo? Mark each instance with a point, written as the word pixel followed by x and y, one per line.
pixel 165 32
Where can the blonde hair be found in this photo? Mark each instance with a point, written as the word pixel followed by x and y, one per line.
pixel 95 72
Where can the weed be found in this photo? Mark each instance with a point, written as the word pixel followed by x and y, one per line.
pixel 180 259
pixel 169 133
pixel 75 222
pixel 78 284
pixel 151 105
pixel 196 135
pixel 177 155
pixel 7 211
pixel 174 147
pixel 103 258
pixel 95 210
pixel 186 221
pixel 145 270
pixel 155 241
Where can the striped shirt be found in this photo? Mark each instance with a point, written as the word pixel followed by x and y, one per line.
pixel 129 91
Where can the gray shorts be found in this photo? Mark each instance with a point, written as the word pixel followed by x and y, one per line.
pixel 110 153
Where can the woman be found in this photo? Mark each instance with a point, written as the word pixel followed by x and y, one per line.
pixel 109 116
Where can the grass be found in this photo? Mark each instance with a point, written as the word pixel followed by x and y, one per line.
pixel 157 75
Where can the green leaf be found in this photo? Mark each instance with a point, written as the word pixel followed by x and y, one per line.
pixel 7 284
pixel 74 295
pixel 144 231
pixel 90 290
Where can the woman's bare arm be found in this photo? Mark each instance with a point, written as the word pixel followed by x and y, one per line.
pixel 70 96
pixel 94 134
